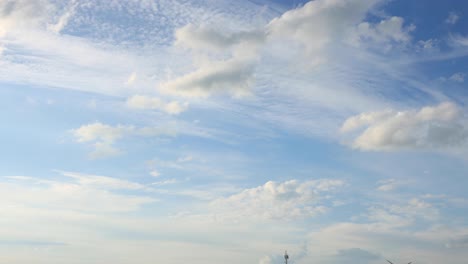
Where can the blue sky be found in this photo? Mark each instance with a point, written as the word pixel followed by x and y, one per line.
pixel 229 131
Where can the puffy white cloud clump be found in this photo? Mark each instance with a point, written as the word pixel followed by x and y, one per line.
pixel 277 200
pixel 432 127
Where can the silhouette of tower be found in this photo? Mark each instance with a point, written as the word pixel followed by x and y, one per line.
pixel 286 257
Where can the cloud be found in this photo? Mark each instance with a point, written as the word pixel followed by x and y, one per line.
pixel 165 182
pixel 459 242
pixel 457 77
pixel 131 79
pixel 320 24
pixel 19 14
pixel 387 32
pixel 101 132
pixel 427 45
pixel 64 18
pixel 265 260
pixel 103 182
pixel 276 201
pixel 392 229
pixel 205 38
pixel 459 40
pixel 437 127
pixel 403 214
pixel 356 255
pixel 185 158
pixel 388 185
pixel 154 103
pixel 233 76
pixel 85 194
pixel 155 173
pixel 452 19
pixel 103 137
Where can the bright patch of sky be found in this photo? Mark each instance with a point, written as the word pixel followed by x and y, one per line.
pixel 229 131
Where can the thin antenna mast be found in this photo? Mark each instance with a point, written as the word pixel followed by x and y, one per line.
pixel 286 257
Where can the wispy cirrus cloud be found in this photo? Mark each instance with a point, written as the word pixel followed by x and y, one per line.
pixel 85 194
pixel 103 136
pixel 153 103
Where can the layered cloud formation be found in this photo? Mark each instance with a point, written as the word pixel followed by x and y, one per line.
pixel 233 130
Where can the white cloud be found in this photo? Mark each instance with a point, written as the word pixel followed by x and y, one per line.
pixel 452 19
pixel 101 132
pixel 186 158
pixel 394 229
pixel 387 32
pixel 103 136
pixel 356 255
pixel 64 18
pixel 403 214
pixel 428 45
pixel 204 38
pixel 85 194
pixel 145 102
pixel 165 182
pixel 437 127
pixel 155 173
pixel 233 76
pixel 388 185
pixel 103 182
pixel 21 14
pixel 265 260
pixel 319 24
pixel 379 242
pixel 131 79
pixel 458 77
pixel 278 201
pixel 459 40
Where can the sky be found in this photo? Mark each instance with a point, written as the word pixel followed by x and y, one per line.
pixel 216 131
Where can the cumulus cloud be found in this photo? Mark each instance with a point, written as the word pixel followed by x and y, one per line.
pixel 233 77
pixel 387 32
pixel 103 137
pixel 16 14
pixel 154 103
pixel 432 127
pixel 403 214
pixel 376 241
pixel 317 28
pixel 286 200
pixel 320 23
pixel 205 38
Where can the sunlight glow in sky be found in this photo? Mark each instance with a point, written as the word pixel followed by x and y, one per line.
pixel 217 131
